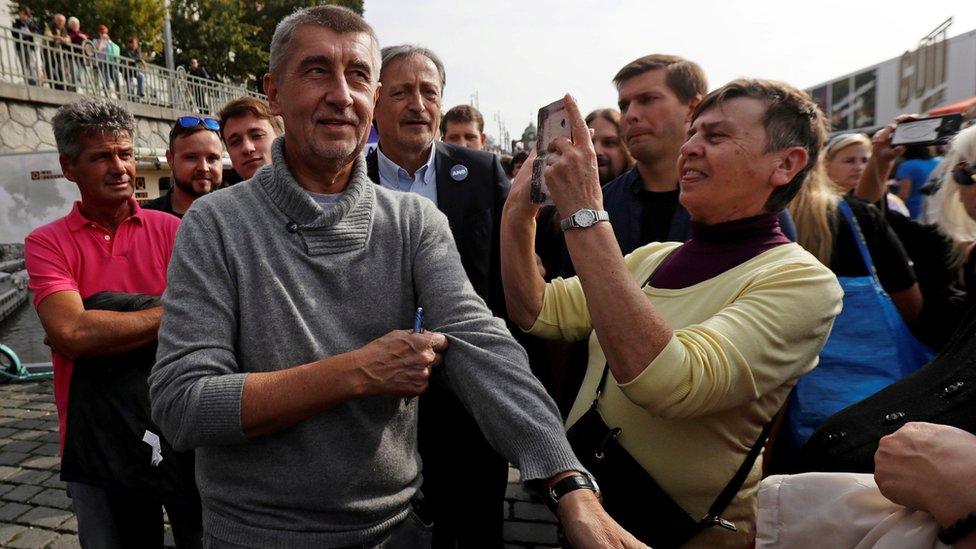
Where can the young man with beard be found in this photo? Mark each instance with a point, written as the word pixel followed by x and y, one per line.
pixel 194 156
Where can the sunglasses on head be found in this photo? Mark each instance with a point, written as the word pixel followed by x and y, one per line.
pixel 194 121
pixel 964 174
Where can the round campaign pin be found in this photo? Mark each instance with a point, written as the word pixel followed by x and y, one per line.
pixel 459 172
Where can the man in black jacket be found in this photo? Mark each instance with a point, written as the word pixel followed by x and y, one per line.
pixel 470 187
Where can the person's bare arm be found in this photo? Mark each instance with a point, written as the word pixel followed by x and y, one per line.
pixel 521 277
pixel 75 332
pixel 873 184
pixel 908 302
pixel 931 468
pixel 904 189
pixel 630 331
pixel 397 364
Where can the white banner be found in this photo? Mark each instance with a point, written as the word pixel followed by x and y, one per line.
pixel 33 192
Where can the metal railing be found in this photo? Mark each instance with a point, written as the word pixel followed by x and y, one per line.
pixel 35 60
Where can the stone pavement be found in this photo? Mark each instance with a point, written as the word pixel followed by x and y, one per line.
pixel 35 512
pixel 34 509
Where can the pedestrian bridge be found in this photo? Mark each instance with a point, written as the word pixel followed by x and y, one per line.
pixel 37 75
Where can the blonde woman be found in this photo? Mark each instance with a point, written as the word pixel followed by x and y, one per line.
pixel 846 158
pixel 822 232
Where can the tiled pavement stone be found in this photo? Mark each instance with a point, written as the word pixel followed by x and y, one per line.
pixel 20 446
pixel 23 493
pixel 28 434
pixel 42 462
pixel 45 517
pixel 52 497
pixel 12 458
pixel 47 449
pixel 29 424
pixel 54 482
pixel 32 538
pixel 70 525
pixel 9 532
pixel 66 542
pixel 11 511
pixel 29 476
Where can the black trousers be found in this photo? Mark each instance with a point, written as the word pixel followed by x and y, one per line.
pixel 464 478
pixel 109 519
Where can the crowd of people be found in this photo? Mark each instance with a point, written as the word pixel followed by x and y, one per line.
pixel 348 349
pixel 119 70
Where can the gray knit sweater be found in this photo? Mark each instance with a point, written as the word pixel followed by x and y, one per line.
pixel 246 294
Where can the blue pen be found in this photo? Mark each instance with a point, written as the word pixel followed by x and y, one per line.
pixel 418 320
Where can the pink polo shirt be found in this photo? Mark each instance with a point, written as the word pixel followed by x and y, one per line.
pixel 75 254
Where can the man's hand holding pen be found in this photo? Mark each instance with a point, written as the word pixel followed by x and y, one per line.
pixel 399 363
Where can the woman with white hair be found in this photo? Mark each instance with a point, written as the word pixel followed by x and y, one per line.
pixel 957 216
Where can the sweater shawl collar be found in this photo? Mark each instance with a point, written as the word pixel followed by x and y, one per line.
pixel 342 228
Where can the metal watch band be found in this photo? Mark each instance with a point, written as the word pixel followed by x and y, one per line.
pixel 593 216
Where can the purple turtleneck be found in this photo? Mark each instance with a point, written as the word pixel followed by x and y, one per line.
pixel 714 249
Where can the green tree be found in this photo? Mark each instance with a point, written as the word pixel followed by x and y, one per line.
pixel 231 38
pixel 124 18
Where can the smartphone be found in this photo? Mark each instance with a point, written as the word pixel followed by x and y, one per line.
pixel 927 131
pixel 553 123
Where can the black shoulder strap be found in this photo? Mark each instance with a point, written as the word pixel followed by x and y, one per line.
pixel 732 488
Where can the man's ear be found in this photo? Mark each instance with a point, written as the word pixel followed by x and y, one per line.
pixel 169 159
pixel 271 89
pixel 484 139
pixel 691 108
pixel 376 94
pixel 67 167
pixel 790 162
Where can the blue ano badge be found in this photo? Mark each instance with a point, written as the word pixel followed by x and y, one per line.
pixel 459 172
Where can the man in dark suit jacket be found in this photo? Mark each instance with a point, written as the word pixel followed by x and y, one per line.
pixel 464 479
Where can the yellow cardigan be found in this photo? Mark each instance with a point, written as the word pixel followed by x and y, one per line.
pixel 741 340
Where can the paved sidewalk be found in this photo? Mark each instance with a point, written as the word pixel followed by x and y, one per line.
pixel 35 512
pixel 34 509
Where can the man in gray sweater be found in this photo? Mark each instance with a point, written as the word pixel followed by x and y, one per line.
pixel 280 359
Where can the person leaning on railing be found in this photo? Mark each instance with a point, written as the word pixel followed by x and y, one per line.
pixel 58 69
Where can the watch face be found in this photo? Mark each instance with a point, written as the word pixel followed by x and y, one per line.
pixel 585 218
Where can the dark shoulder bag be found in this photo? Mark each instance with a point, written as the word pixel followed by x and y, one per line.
pixel 943 391
pixel 631 496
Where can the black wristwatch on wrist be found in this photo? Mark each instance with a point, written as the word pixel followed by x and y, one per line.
pixel 576 481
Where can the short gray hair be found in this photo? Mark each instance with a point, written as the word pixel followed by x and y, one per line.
pixel 391 54
pixel 336 18
pixel 89 116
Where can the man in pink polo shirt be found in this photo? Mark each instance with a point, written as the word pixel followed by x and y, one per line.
pixel 106 243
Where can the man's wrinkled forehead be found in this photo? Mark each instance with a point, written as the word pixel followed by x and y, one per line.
pixel 354 47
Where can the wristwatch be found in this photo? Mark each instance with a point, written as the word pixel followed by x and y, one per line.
pixel 576 481
pixel 584 218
